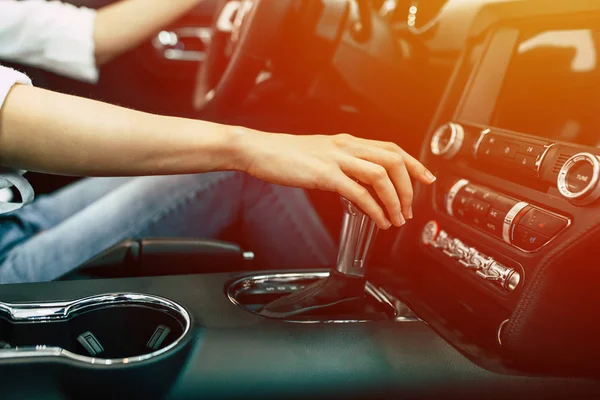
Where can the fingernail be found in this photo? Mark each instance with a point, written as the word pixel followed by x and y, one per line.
pixel 388 224
pixel 409 213
pixel 401 219
pixel 429 176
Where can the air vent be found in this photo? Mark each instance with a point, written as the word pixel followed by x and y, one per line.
pixel 560 161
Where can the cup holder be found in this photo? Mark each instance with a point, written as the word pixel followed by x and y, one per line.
pixel 122 328
pixel 252 293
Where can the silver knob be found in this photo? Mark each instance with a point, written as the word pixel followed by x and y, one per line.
pixel 578 179
pixel 506 277
pixel 430 232
pixel 356 240
pixel 447 140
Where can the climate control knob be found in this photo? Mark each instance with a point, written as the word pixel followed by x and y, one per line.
pixel 578 179
pixel 447 140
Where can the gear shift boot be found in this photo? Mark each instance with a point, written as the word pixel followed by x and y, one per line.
pixel 336 293
pixel 344 288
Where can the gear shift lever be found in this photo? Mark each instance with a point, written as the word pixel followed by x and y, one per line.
pixel 357 237
pixel 346 283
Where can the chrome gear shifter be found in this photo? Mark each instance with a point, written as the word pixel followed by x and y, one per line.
pixel 345 285
pixel 356 240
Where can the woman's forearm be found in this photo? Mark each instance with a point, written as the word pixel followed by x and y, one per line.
pixel 51 132
pixel 123 25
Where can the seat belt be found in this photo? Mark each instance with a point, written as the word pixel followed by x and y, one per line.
pixel 8 178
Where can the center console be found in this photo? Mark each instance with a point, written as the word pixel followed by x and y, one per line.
pixel 509 232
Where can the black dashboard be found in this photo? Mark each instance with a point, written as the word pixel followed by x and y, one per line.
pixel 509 233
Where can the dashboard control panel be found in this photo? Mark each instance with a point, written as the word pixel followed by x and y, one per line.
pixel 515 222
pixel 518 157
pixel 470 258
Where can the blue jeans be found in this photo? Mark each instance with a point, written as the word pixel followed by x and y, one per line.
pixel 58 232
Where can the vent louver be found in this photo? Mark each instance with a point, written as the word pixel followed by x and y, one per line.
pixel 560 161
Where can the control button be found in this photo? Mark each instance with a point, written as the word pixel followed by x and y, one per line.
pixel 503 204
pixel 478 207
pixel 496 215
pixel 460 205
pixel 506 149
pixel 543 222
pixel 447 140
pixel 486 145
pixel 512 281
pixel 451 248
pixel 525 161
pixel 504 276
pixel 578 179
pixel 493 227
pixel 430 232
pixel 476 220
pixel 461 200
pixel 485 194
pixel 471 189
pixel 580 176
pixel 528 239
pixel 443 241
pixel 462 250
pixel 476 261
pixel 531 149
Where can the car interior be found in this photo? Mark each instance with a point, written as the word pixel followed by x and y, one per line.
pixel 489 292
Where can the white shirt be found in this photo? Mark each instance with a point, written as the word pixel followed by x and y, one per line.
pixel 55 36
pixel 51 35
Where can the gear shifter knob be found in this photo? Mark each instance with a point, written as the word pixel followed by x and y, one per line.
pixel 356 240
pixel 346 284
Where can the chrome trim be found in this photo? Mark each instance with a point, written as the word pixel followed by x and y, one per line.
pixel 541 157
pixel 457 136
pixel 225 21
pixel 482 135
pixel 356 240
pixel 592 191
pixel 45 312
pixel 430 232
pixel 508 277
pixel 508 221
pixel 452 194
pixel 166 43
pixel 499 334
pixel 401 310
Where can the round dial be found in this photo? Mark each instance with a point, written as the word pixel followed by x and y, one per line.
pixel 447 140
pixel 430 232
pixel 578 179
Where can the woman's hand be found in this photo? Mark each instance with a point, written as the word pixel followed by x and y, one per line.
pixel 334 163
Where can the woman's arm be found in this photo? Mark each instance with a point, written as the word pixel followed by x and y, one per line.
pixel 124 25
pixel 51 132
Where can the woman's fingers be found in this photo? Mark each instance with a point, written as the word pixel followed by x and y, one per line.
pixel 414 167
pixel 361 197
pixel 396 169
pixel 376 176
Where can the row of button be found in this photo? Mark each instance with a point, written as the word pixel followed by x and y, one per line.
pixel 517 223
pixel 520 153
pixel 469 257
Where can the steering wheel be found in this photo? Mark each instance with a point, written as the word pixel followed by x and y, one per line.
pixel 245 34
pixel 251 35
